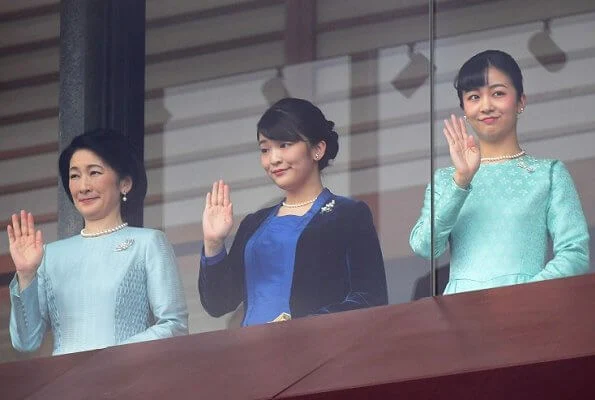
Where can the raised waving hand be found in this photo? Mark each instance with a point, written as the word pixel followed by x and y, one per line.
pixel 26 247
pixel 464 152
pixel 217 218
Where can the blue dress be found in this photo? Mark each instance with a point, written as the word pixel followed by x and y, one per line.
pixel 498 229
pixel 270 257
pixel 338 263
pixel 97 292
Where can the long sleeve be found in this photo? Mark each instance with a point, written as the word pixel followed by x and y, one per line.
pixel 165 293
pixel 449 199
pixel 221 284
pixel 567 227
pixel 28 314
pixel 365 265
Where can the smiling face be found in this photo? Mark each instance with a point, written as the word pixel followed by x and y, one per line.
pixel 291 165
pixel 492 109
pixel 95 188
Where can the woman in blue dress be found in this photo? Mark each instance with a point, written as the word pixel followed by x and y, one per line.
pixel 497 205
pixel 313 253
pixel 112 284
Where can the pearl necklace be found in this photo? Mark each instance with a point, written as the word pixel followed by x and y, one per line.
pixel 500 158
pixel 296 205
pixel 103 232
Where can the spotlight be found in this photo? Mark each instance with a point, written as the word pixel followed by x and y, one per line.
pixel 274 89
pixel 414 75
pixel 546 51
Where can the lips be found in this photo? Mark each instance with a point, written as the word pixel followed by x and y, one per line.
pixel 87 200
pixel 489 120
pixel 279 172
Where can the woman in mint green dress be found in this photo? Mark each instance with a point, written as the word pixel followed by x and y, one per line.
pixel 496 205
pixel 112 284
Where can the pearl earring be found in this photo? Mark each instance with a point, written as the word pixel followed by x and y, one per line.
pixel 465 118
pixel 124 198
pixel 316 156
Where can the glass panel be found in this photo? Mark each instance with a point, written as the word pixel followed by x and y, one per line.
pixel 366 79
pixel 214 67
pixel 28 136
pixel 512 203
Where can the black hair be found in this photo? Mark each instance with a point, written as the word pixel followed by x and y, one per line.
pixel 295 120
pixel 116 151
pixel 473 74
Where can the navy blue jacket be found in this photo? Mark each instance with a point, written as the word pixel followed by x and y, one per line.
pixel 338 264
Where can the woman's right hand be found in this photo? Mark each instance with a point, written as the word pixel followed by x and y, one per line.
pixel 217 218
pixel 26 247
pixel 464 152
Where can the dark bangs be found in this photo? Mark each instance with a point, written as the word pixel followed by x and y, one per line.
pixel 474 73
pixel 475 77
pixel 276 124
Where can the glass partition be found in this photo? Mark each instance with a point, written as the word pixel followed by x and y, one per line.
pixel 554 45
pixel 370 76
pixel 213 68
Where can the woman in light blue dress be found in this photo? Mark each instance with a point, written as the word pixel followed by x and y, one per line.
pixel 497 205
pixel 112 284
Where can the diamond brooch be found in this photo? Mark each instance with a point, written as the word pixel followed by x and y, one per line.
pixel 124 245
pixel 328 207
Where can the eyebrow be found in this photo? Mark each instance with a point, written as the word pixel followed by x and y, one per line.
pixel 88 166
pixel 261 141
pixel 495 85
pixel 492 86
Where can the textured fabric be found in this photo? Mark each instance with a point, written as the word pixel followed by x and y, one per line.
pixel 498 229
pixel 338 263
pixel 97 292
pixel 133 313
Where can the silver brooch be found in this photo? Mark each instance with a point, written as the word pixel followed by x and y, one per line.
pixel 328 207
pixel 521 164
pixel 124 245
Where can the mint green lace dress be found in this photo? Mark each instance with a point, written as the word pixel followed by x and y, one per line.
pixel 498 228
